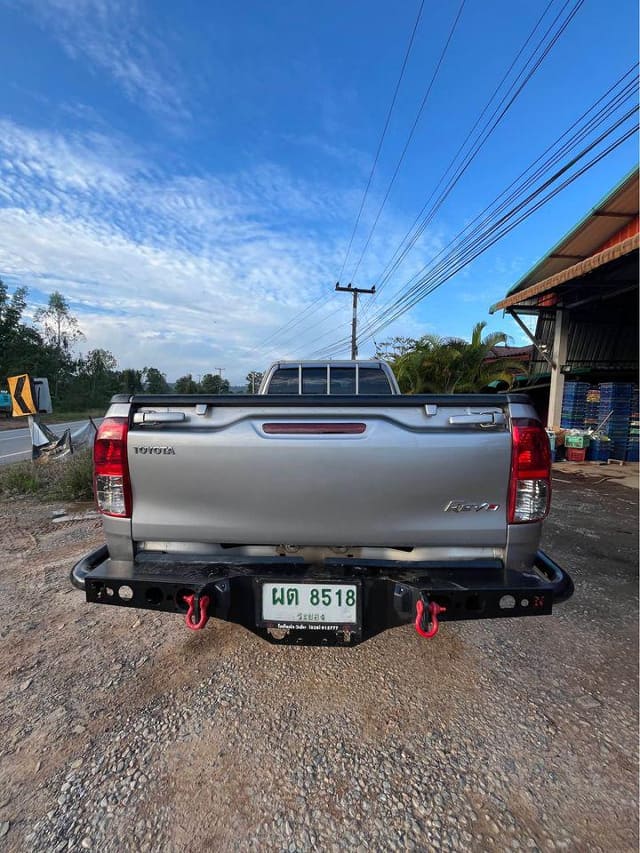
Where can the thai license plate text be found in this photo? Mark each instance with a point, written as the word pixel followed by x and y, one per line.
pixel 305 603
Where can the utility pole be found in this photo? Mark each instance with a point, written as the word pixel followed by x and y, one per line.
pixel 354 320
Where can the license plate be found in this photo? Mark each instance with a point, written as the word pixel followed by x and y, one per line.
pixel 310 604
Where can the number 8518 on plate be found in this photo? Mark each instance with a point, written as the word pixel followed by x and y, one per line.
pixel 334 604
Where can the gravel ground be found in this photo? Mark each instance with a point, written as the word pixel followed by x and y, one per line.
pixel 123 731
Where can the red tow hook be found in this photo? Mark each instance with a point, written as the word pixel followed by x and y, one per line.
pixel 434 610
pixel 196 603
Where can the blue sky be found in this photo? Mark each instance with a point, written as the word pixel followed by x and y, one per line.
pixel 188 175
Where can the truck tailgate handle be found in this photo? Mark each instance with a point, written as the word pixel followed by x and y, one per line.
pixel 486 419
pixel 159 417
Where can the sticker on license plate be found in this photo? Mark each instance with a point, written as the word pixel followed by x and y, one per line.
pixel 310 604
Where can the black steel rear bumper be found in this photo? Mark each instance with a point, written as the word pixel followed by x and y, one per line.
pixel 388 591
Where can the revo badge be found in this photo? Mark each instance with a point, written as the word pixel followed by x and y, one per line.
pixel 463 506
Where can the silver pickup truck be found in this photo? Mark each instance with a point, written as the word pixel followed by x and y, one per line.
pixel 325 509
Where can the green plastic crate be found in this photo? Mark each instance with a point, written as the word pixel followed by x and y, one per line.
pixel 578 441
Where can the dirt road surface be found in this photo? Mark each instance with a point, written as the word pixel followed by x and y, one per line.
pixel 122 731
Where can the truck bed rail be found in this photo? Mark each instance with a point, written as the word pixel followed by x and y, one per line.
pixel 321 400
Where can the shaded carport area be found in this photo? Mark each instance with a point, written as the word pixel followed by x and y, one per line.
pixel 584 297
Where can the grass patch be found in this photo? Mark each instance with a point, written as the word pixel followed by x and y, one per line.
pixel 73 479
pixel 68 479
pixel 21 478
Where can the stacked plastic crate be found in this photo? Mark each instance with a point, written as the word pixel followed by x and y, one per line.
pixel 616 397
pixel 574 405
pixel 599 448
pixel 592 407
pixel 633 444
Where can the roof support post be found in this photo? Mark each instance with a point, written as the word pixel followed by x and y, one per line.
pixel 560 339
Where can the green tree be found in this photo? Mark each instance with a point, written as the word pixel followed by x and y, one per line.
pixel 254 378
pixel 60 328
pixel 476 367
pixel 187 385
pixel 453 365
pixel 410 365
pixel 60 331
pixel 155 382
pixel 13 331
pixel 212 383
pixel 11 310
pixel 131 380
pixel 390 350
pixel 98 376
pixel 22 349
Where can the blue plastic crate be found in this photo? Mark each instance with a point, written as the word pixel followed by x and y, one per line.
pixel 599 451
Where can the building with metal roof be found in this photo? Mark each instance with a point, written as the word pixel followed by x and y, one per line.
pixel 584 295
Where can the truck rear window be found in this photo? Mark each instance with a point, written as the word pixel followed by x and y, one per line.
pixel 372 380
pixel 343 380
pixel 314 380
pixel 284 381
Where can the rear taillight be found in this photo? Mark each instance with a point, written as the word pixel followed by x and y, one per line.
pixel 110 468
pixel 530 485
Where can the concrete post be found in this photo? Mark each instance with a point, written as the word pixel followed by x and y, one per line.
pixel 560 338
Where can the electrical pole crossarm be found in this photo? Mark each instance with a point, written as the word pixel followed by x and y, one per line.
pixel 351 289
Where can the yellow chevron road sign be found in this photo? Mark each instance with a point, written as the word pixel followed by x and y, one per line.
pixel 22 396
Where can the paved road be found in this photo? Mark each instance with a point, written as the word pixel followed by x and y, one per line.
pixel 122 731
pixel 15 444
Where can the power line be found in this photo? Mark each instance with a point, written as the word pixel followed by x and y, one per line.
pixel 297 319
pixel 605 112
pixel 462 251
pixel 406 146
pixel 368 307
pixel 382 137
pixel 494 231
pixel 290 323
pixel 318 322
pixel 577 138
pixel 465 261
pixel 295 322
pixel 409 138
pixel 484 134
pixel 387 272
pixel 397 306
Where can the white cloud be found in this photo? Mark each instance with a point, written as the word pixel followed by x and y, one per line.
pixel 179 272
pixel 75 164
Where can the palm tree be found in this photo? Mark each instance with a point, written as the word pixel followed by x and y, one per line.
pixel 453 365
pixel 482 368
pixel 412 365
